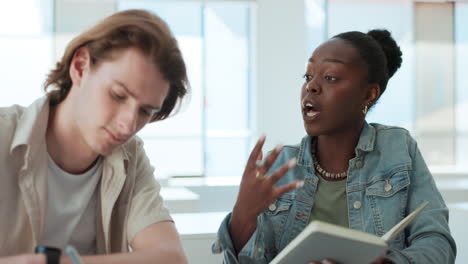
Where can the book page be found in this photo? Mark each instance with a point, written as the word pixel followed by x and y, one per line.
pixel 403 223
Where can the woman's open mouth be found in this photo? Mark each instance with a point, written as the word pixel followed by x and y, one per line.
pixel 310 111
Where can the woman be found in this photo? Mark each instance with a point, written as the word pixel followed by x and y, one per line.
pixel 73 171
pixel 350 173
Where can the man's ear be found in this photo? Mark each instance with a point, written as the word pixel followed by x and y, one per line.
pixel 79 65
pixel 373 93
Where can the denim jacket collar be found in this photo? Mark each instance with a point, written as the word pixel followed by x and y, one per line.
pixel 366 139
pixel 365 144
pixel 304 157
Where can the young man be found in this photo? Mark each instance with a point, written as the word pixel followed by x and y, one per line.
pixel 73 172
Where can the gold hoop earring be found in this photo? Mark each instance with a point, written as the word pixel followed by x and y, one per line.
pixel 364 111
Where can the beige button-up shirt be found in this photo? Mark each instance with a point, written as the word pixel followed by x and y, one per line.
pixel 128 195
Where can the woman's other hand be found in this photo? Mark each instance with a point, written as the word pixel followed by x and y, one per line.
pixel 379 260
pixel 325 261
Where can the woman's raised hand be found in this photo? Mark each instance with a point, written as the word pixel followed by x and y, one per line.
pixel 257 192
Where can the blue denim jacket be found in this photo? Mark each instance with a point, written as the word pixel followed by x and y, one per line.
pixel 383 154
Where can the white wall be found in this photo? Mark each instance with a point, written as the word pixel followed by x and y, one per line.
pixel 281 60
pixel 74 16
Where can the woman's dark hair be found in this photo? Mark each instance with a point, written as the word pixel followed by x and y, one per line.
pixel 379 51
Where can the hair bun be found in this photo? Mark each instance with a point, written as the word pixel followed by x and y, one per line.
pixel 390 47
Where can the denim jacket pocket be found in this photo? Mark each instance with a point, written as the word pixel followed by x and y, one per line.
pixel 275 219
pixel 389 184
pixel 278 206
pixel 388 196
pixel 277 213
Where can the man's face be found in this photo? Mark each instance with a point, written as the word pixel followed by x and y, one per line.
pixel 116 99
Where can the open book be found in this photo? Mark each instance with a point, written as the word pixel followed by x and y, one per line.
pixel 320 240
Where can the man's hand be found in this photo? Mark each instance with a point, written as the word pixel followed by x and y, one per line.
pixel 24 259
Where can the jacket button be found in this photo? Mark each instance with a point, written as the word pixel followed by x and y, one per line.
pixel 387 187
pixel 272 207
pixel 359 164
pixel 357 205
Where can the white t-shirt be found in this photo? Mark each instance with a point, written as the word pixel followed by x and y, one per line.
pixel 71 208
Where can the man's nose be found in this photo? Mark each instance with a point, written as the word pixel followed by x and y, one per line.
pixel 127 123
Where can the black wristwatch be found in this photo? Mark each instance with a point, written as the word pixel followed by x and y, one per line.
pixel 52 254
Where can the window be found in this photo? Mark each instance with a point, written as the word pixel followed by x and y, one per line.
pixel 211 135
pixel 26 49
pixel 461 82
pixel 396 106
pixel 428 94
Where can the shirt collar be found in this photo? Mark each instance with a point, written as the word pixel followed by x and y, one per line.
pixel 31 131
pixel 31 126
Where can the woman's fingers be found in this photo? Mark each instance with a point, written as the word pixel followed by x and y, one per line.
pixel 258 164
pixel 325 261
pixel 266 165
pixel 278 191
pixel 260 156
pixel 328 261
pixel 258 189
pixel 256 152
pixel 379 260
pixel 278 174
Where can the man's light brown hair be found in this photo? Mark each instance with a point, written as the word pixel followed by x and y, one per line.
pixel 132 28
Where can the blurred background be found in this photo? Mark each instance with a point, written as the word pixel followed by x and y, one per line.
pixel 245 61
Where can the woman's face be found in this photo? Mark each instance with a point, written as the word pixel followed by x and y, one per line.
pixel 116 99
pixel 335 89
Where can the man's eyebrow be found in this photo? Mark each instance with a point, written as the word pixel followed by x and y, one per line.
pixel 153 108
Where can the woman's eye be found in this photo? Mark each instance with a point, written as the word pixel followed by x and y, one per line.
pixel 307 77
pixel 330 78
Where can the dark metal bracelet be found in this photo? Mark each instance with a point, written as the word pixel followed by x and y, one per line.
pixel 52 254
